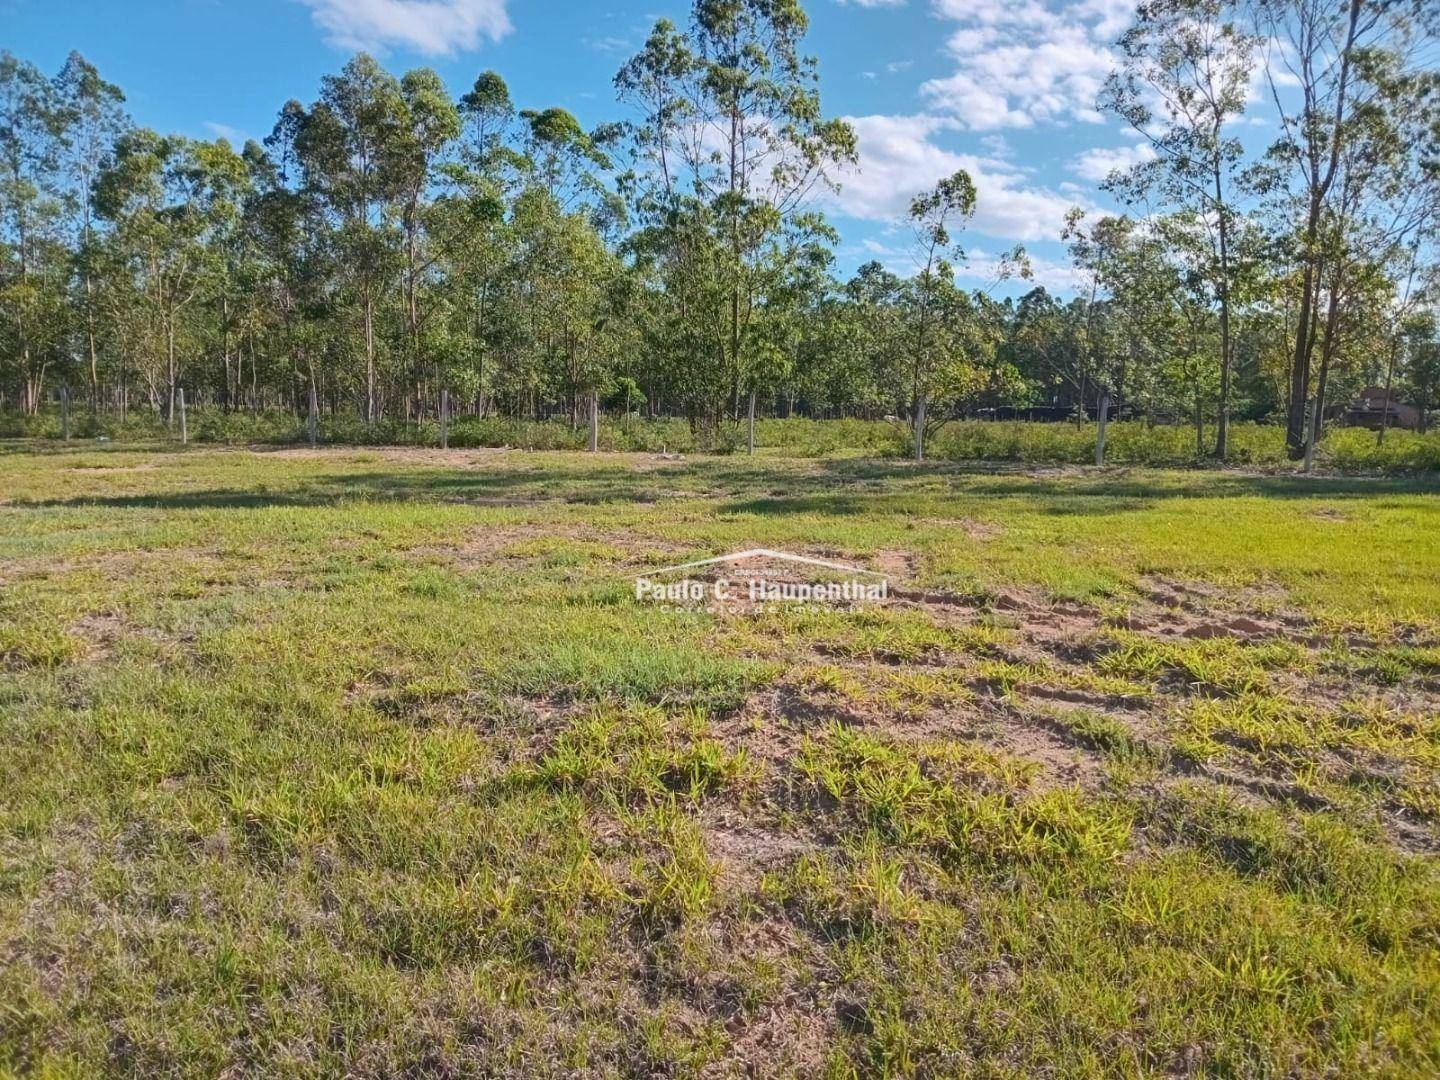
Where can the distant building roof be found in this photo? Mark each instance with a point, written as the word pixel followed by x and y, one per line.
pixel 1373 397
pixel 1369 407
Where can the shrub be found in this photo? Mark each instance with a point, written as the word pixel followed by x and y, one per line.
pixel 1127 442
pixel 1402 451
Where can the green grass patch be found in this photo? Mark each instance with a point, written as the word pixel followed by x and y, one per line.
pixel 357 763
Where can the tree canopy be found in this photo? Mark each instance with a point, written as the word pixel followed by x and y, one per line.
pixel 389 241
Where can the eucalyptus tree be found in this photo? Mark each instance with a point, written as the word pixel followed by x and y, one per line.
pixel 1356 286
pixel 563 158
pixel 33 256
pixel 431 125
pixel 1182 381
pixel 222 188
pixel 93 119
pixel 868 348
pixel 295 263
pixel 351 145
pixel 1331 68
pixel 932 215
pixel 486 114
pixel 785 281
pixel 474 250
pixel 169 200
pixel 675 247
pixel 731 145
pixel 945 355
pixel 1124 276
pixel 565 273
pixel 842 332
pixel 1185 76
pixel 388 242
pixel 567 279
pixel 1380 211
pixel 1038 344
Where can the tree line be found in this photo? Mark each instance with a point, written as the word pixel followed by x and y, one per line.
pixel 388 242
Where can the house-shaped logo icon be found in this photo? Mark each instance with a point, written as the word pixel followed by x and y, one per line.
pixel 755 554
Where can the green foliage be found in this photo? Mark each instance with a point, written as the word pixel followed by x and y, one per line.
pixel 388 245
pixel 1128 442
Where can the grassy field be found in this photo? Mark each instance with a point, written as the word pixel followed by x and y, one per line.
pixel 369 763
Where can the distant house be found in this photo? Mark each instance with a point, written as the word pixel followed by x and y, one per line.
pixel 1029 412
pixel 1368 410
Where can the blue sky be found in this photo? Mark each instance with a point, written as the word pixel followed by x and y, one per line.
pixel 1003 88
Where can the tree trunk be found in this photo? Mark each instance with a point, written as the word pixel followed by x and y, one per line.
pixel 1389 388
pixel 1332 321
pixel 1100 431
pixel 1311 435
pixel 920 426
pixel 594 407
pixel 412 304
pixel 94 352
pixel 1319 188
pixel 1199 420
pixel 1299 393
pixel 170 369
pixel 1222 415
pixel 225 350
pixel 369 360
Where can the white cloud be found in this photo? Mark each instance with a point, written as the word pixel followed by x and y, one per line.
pixel 898 258
pixel 899 158
pixel 998 146
pixel 1097 163
pixel 432 27
pixel 984 267
pixel 981 268
pixel 1019 63
pixel 1108 19
pixel 233 135
pixel 610 45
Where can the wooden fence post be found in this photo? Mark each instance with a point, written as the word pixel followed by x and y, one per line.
pixel 750 428
pixel 1100 431
pixel 920 426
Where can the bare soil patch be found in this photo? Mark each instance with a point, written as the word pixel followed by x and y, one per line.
pixel 401 455
pixel 746 848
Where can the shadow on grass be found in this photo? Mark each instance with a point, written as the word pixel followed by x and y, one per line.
pixel 828 487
